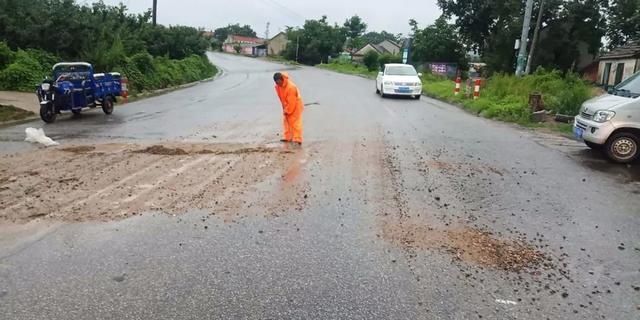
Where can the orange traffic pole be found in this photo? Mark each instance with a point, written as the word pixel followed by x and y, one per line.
pixel 476 89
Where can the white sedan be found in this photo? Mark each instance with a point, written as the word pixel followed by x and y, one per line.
pixel 399 79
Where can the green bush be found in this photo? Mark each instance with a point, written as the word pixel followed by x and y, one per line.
pixel 388 58
pixel 146 74
pixel 371 60
pixel 6 55
pixel 26 70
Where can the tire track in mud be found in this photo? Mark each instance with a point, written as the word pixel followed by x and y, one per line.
pixel 57 172
pixel 138 180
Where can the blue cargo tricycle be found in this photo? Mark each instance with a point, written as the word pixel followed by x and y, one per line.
pixel 74 87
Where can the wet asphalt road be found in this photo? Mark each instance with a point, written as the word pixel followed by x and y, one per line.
pixel 367 163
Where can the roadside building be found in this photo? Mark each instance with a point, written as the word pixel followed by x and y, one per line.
pixel 246 45
pixel 390 46
pixel 277 44
pixel 384 47
pixel 618 64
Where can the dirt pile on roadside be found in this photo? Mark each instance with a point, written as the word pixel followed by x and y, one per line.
pixel 162 150
pixel 114 181
pixel 79 149
pixel 203 150
pixel 466 244
pixel 484 249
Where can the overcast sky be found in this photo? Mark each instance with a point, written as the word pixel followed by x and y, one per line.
pixel 390 15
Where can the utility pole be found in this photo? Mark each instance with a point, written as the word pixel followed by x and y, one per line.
pixel 297 47
pixel 266 33
pixel 155 12
pixel 522 55
pixel 534 42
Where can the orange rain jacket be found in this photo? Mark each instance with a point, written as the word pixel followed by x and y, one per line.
pixel 292 107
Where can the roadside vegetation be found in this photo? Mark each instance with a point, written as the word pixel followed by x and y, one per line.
pixel 372 62
pixel 39 33
pixel 11 113
pixel 349 68
pixel 506 97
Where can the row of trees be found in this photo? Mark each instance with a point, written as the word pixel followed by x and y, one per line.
pixel 100 33
pixel 316 40
pixel 568 28
pixel 37 33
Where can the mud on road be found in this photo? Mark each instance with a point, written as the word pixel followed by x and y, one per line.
pixel 114 181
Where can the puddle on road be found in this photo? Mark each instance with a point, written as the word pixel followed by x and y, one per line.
pixel 594 160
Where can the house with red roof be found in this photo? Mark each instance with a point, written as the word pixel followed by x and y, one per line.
pixel 246 45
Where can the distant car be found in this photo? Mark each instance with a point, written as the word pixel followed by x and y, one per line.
pixel 611 122
pixel 399 79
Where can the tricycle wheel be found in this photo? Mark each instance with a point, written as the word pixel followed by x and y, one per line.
pixel 47 114
pixel 107 105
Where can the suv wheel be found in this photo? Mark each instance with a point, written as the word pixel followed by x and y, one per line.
pixel 622 147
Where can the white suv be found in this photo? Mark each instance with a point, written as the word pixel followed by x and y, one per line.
pixel 612 121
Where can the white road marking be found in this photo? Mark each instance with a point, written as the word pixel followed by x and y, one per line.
pixel 506 302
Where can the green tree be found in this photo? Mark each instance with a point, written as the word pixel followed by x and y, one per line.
pixel 490 28
pixel 624 22
pixel 438 42
pixel 39 33
pixel 317 41
pixel 370 60
pixel 577 31
pixel 355 27
pixel 377 37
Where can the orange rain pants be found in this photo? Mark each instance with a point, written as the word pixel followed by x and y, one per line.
pixel 292 108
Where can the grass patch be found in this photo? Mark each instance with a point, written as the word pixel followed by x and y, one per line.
pixel 11 113
pixel 505 97
pixel 349 68
pixel 564 129
pixel 283 60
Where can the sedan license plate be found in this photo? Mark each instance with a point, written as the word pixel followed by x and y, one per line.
pixel 404 89
pixel 578 132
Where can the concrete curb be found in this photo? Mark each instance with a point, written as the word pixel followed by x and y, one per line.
pixel 17 122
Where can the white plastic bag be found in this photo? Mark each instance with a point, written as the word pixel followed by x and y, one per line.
pixel 37 136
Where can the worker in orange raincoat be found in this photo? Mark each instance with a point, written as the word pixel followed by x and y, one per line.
pixel 292 108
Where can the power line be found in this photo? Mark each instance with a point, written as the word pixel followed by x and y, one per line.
pixel 285 10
